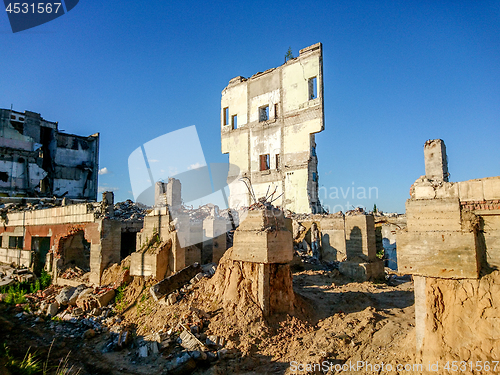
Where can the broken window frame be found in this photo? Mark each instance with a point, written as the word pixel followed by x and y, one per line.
pixel 264 161
pixel 264 113
pixel 276 110
pixel 16 242
pixel 312 88
pixel 225 115
pixel 277 161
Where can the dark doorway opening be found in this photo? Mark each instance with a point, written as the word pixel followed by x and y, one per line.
pixel 40 246
pixel 128 244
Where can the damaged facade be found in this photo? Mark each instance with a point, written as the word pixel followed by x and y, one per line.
pixel 85 236
pixel 348 239
pixel 174 237
pixel 452 249
pixel 36 160
pixel 268 127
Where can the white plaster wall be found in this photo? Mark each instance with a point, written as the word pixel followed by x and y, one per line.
pixel 238 195
pixel 237 146
pixel 235 98
pixel 266 142
pixel 269 98
pixel 295 183
pixel 295 82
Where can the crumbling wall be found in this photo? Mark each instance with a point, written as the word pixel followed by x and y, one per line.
pixel 268 125
pixel 38 160
pixel 451 247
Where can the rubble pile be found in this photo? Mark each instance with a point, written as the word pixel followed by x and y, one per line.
pixel 129 210
pixel 73 273
pixel 29 206
pixel 11 275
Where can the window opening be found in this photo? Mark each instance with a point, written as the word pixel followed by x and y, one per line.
pixel 264 113
pixel 16 242
pixel 264 162
pixel 313 89
pixel 226 116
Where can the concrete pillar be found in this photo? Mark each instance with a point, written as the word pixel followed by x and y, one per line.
pixel 436 161
pixel 160 190
pixel 264 287
pixel 173 193
pixel 420 310
pixel 108 201
pixel 108 198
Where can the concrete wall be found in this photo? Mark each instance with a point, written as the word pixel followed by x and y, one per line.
pixel 33 150
pixel 451 248
pixel 360 237
pixel 342 237
pixel 287 135
pixel 67 227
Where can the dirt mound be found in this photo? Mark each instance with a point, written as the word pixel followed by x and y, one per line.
pixel 117 274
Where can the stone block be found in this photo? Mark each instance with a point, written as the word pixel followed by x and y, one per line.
pixel 258 219
pixel 52 309
pixel 433 215
pixel 263 246
pixel 104 298
pixel 471 190
pixel 447 190
pixel 424 192
pixel 491 224
pixel 438 254
pixel 491 188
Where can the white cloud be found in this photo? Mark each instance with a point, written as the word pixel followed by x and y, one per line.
pixel 195 166
pixel 153 161
pixel 102 189
pixel 103 171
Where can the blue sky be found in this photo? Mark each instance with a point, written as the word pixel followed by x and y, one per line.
pixel 396 73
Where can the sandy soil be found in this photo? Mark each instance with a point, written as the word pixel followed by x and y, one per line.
pixel 336 322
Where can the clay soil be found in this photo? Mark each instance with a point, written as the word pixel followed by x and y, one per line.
pixel 335 322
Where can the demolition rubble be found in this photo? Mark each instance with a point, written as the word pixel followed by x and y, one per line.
pixel 272 284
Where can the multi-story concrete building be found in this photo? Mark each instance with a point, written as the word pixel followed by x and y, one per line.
pixel 36 160
pixel 268 127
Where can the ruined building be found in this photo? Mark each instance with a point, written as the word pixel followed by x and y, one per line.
pixel 452 249
pixel 36 160
pixel 174 237
pixel 89 235
pixel 268 127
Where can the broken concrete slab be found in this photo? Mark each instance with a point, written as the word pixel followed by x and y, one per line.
pixel 105 298
pixel 174 282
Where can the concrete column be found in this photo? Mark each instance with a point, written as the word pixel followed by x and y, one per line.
pixel 436 161
pixel 420 310
pixel 264 287
pixel 173 193
pixel 160 199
